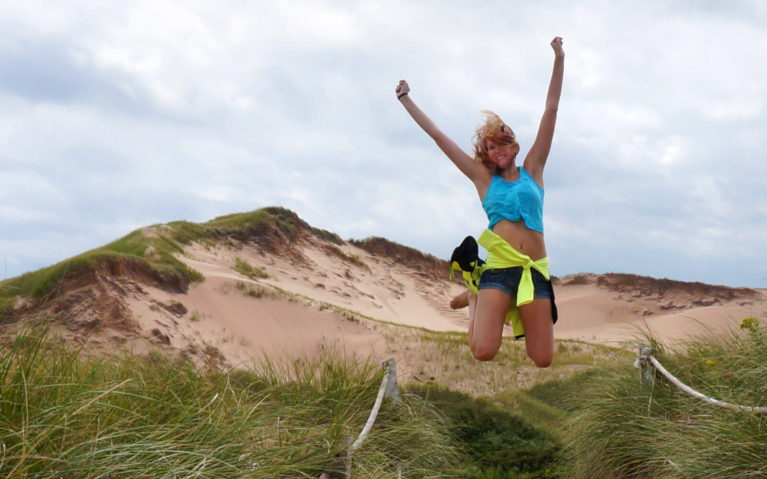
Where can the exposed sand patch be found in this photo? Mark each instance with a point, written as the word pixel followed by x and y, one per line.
pixel 593 314
pixel 384 290
pixel 317 295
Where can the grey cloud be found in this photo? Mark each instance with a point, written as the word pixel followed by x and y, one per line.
pixel 657 150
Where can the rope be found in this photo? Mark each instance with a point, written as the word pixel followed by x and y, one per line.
pixel 388 389
pixel 645 359
pixel 392 365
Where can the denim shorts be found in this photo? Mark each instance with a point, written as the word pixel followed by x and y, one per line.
pixel 507 280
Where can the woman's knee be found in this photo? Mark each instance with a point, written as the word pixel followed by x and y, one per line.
pixel 539 331
pixel 542 359
pixel 484 352
pixel 486 330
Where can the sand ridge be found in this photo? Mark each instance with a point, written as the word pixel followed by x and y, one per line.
pixel 314 294
pixel 309 299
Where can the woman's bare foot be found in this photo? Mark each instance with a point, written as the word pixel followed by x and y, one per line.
pixel 460 301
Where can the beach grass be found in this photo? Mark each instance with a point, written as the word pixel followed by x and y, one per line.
pixel 154 254
pixel 66 415
pixel 593 416
pixel 496 442
pixel 155 248
pixel 248 270
pixel 624 427
pixel 247 225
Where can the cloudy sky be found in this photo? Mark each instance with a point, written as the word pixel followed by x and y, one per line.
pixel 117 115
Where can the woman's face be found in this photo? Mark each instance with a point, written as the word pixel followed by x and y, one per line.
pixel 502 155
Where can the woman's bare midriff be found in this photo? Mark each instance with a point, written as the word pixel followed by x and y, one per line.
pixel 521 238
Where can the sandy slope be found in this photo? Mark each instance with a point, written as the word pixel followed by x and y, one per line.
pixel 596 315
pixel 299 308
pixel 382 290
pixel 302 303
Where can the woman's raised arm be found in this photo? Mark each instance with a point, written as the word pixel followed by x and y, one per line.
pixel 539 152
pixel 474 170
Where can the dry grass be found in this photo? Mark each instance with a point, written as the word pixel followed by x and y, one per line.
pixel 445 358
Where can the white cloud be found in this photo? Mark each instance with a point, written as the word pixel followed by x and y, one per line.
pixel 117 115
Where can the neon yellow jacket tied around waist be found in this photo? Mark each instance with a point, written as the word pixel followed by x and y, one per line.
pixel 501 254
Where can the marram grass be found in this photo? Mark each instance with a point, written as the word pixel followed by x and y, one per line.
pixel 156 247
pixel 624 428
pixel 66 416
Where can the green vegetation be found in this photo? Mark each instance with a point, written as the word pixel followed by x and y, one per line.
pixel 148 254
pixel 625 428
pixel 496 443
pixel 152 250
pixel 64 415
pixel 249 225
pixel 444 357
pixel 250 291
pixel 246 269
pixel 68 415
pixel 588 416
pixel 506 415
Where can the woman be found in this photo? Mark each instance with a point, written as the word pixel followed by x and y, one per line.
pixel 515 280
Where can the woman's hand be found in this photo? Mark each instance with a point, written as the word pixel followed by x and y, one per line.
pixel 475 171
pixel 556 44
pixel 402 89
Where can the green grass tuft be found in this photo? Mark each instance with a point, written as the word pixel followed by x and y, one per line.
pixel 64 415
pixel 248 270
pixel 626 428
pixel 495 442
pixel 247 290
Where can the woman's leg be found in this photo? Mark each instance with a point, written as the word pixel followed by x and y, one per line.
pixel 472 310
pixel 487 312
pixel 539 331
pixel 461 300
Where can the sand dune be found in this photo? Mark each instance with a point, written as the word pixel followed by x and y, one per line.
pixel 306 304
pixel 594 314
pixel 313 291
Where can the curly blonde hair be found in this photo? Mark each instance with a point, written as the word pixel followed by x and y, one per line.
pixel 495 130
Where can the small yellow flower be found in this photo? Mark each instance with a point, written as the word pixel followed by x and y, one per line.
pixel 749 323
pixel 710 362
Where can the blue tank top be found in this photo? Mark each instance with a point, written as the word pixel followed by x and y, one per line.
pixel 514 201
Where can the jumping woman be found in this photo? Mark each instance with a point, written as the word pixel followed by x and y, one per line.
pixel 514 284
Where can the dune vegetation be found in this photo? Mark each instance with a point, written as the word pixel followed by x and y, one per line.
pixel 67 414
pixel 152 251
pixel 624 427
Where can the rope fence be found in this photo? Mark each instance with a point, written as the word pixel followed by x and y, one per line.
pixel 389 389
pixel 648 364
